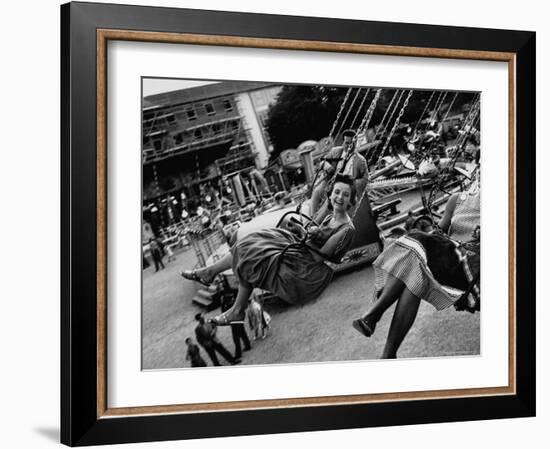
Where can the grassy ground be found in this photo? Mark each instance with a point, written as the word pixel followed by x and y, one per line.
pixel 318 331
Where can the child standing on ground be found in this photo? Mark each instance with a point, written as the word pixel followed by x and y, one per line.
pixel 193 353
pixel 258 318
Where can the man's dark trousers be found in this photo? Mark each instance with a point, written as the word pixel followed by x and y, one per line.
pixel 238 332
pixel 218 347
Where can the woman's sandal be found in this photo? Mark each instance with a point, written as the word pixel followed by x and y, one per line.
pixel 193 276
pixel 221 320
pixel 363 326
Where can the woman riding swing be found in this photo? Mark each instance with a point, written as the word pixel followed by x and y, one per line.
pixel 418 266
pixel 288 265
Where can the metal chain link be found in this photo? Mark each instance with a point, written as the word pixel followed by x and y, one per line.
pixel 436 112
pixel 423 112
pixel 359 108
pixel 364 124
pixel 370 112
pixel 365 190
pixel 433 142
pixel 390 107
pixel 470 118
pixel 348 112
pixel 397 121
pixel 472 114
pixel 376 152
pixel 339 112
pixel 436 107
pixel 450 106
pixel 392 112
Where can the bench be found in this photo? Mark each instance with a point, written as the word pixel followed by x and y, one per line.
pixel 390 207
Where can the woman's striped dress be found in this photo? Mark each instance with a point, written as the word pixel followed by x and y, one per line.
pixel 407 259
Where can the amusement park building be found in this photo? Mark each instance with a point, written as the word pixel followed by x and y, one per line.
pixel 196 136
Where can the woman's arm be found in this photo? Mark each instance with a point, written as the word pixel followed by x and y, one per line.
pixel 296 227
pixel 361 176
pixel 445 221
pixel 338 243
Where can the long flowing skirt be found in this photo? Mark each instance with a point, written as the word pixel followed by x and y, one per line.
pixel 295 276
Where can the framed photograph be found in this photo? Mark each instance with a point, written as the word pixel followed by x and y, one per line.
pixel 283 224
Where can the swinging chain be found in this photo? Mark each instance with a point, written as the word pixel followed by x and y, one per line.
pixel 364 123
pixel 397 121
pixel 370 112
pixel 422 115
pixel 390 107
pixel 449 109
pixel 437 106
pixel 365 190
pixel 339 113
pixel 319 170
pixel 470 119
pixel 342 125
pixel 427 153
pixel 360 107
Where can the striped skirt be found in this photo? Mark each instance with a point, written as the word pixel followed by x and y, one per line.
pixel 408 260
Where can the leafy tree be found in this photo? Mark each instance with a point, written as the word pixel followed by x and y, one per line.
pixel 308 112
pixel 301 113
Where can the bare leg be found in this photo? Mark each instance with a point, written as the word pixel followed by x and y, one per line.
pixel 390 293
pixel 237 311
pixel 403 318
pixel 316 197
pixel 211 271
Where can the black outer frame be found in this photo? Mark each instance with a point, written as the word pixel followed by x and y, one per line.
pixel 79 422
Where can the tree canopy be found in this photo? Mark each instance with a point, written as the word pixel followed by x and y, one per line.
pixel 308 112
pixel 301 113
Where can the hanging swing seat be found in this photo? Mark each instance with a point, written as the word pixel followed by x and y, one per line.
pixel 387 209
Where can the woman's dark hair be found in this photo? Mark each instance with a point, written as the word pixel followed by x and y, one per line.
pixel 344 179
pixel 397 232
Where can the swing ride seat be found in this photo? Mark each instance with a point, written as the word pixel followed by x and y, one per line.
pixel 293 218
pixel 355 257
pixel 390 206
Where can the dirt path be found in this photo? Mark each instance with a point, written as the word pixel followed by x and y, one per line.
pixel 318 331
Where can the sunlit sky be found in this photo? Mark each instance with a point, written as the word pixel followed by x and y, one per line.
pixel 152 86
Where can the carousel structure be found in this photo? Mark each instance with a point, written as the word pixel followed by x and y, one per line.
pixel 412 169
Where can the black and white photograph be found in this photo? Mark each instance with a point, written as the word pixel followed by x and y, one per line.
pixel 295 223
